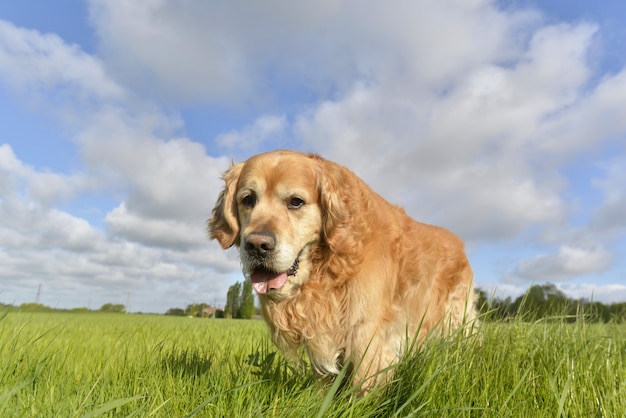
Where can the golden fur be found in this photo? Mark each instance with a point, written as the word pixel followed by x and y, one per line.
pixel 368 278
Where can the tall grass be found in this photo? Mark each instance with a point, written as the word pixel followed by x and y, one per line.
pixel 87 365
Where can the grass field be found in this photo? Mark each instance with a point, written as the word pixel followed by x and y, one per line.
pixel 93 364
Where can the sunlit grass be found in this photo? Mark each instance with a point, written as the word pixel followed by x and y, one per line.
pixel 89 364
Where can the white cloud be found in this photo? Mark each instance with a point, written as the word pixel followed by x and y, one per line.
pixel 163 48
pixel 30 59
pixel 608 293
pixel 169 186
pixel 45 186
pixel 29 226
pixel 161 233
pixel 165 186
pixel 482 184
pixel 231 51
pixel 611 213
pixel 597 117
pixel 252 138
pixel 168 263
pixel 569 262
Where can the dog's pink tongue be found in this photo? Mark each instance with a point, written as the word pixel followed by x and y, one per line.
pixel 263 281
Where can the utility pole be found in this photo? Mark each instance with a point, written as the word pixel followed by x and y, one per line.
pixel 38 294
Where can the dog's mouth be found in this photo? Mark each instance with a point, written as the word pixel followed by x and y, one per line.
pixel 264 280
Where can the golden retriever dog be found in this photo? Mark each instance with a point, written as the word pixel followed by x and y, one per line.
pixel 337 268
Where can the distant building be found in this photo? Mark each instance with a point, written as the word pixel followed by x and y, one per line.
pixel 209 312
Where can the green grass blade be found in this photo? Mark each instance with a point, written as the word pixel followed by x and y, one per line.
pixel 566 389
pixel 330 395
pixel 158 408
pixel 217 395
pixel 109 406
pixel 516 388
pixel 6 395
pixel 416 393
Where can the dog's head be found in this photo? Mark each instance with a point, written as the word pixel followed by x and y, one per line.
pixel 278 207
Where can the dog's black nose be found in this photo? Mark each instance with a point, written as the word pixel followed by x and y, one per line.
pixel 260 244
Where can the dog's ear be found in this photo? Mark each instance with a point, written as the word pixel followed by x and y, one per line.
pixel 335 200
pixel 344 223
pixel 224 225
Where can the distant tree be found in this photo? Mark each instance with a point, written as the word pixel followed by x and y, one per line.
pixel 597 312
pixel 504 308
pixel 618 312
pixel 114 308
pixel 492 307
pixel 482 302
pixel 240 301
pixel 542 301
pixel 195 309
pixel 548 301
pixel 175 312
pixel 246 309
pixel 233 301
pixel 34 307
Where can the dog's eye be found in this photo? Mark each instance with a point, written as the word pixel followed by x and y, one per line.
pixel 249 200
pixel 295 203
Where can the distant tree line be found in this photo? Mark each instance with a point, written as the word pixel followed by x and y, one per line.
pixel 239 304
pixel 113 308
pixel 538 302
pixel 199 310
pixel 37 307
pixel 547 301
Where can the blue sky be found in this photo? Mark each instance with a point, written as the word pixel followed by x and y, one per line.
pixel 504 122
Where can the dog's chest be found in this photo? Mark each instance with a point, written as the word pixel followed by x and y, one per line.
pixel 325 354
